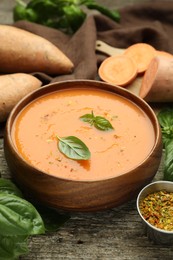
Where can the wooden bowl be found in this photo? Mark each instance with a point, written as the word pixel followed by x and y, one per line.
pixel 84 194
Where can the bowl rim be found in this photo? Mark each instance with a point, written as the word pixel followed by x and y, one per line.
pixel 110 88
pixel 139 211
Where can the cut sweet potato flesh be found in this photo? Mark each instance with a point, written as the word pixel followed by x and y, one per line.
pixel 119 70
pixel 141 54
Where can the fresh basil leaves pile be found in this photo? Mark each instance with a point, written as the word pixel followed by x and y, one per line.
pixel 19 219
pixel 65 15
pixel 165 118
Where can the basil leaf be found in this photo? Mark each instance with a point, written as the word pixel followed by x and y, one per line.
pixel 73 148
pixel 8 187
pixel 165 118
pixel 19 217
pixel 99 122
pixel 20 13
pixel 102 123
pixel 75 16
pixel 89 118
pixel 168 163
pixel 11 247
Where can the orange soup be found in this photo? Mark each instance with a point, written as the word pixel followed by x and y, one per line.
pixel 113 152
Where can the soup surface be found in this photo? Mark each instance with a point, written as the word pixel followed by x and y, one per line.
pixel 113 152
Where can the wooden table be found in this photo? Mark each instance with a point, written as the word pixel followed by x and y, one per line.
pixel 113 234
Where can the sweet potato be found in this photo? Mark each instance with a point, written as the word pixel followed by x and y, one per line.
pixel 119 70
pixel 22 51
pixel 14 87
pixel 164 54
pixel 141 54
pixel 157 83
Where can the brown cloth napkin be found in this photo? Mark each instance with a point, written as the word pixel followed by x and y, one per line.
pixel 151 23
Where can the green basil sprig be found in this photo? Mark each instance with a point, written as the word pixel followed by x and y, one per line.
pixel 165 118
pixel 98 122
pixel 73 148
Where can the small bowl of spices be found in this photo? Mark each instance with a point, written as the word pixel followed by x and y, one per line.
pixel 155 207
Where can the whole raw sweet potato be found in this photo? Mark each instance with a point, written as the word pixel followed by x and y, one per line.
pixel 22 51
pixel 14 87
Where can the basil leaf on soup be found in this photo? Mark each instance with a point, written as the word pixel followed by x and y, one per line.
pixel 102 123
pixel 88 118
pixel 99 122
pixel 73 148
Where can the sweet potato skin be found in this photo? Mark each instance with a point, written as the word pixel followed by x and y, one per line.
pixel 157 83
pixel 23 51
pixel 13 88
